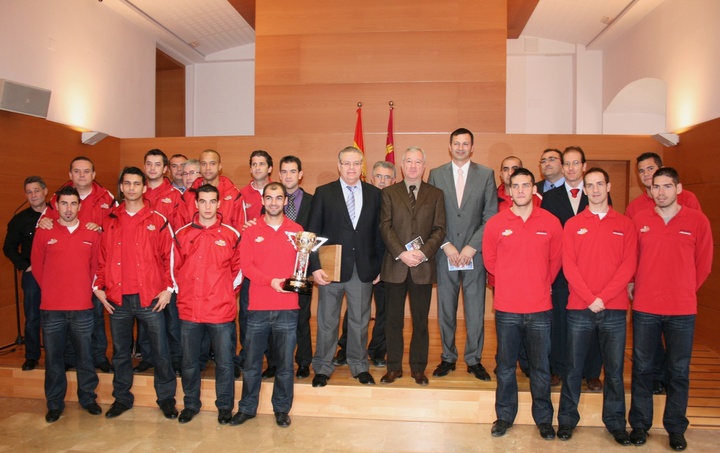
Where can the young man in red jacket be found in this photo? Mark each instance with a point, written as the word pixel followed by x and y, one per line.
pixel 676 253
pixel 134 281
pixel 523 242
pixel 599 260
pixel 268 258
pixel 64 259
pixel 207 271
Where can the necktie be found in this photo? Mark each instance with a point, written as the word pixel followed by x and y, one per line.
pixel 413 200
pixel 574 192
pixel 552 186
pixel 460 186
pixel 290 208
pixel 350 200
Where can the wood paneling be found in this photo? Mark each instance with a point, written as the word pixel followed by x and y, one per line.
pixel 519 12
pixel 697 160
pixel 246 8
pixel 169 96
pixel 34 146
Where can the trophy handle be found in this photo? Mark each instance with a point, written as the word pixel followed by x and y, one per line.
pixel 291 238
pixel 319 241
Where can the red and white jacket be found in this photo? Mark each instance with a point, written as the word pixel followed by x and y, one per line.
pixel 207 270
pixel 64 264
pixel 153 244
pixel 231 203
pixel 93 208
pixel 165 199
pixel 645 201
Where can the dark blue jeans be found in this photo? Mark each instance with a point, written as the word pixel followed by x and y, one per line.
pixel 99 337
pixel 31 306
pixel 242 321
pixel 221 340
pixel 172 324
pixel 121 327
pixel 58 327
pixel 534 329
pixel 610 326
pixel 282 324
pixel 647 331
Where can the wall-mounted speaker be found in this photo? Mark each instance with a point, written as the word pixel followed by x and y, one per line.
pixel 20 98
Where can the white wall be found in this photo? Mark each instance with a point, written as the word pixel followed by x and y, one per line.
pixel 679 43
pixel 100 68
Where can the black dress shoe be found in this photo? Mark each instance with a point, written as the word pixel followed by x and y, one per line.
pixel 658 387
pixel 379 362
pixel 420 378
pixel 93 409
pixel 391 376
pixel 564 432
pixel 444 368
pixel 340 359
pixel 365 378
pixel 240 418
pixel 53 415
pixel 547 432
pixel 237 369
pixel 320 380
pixel 677 441
pixel 639 436
pixel 105 366
pixel 28 365
pixel 224 416
pixel 479 372
pixel 303 372
pixel 269 372
pixel 186 415
pixel 621 436
pixel 282 419
pixel 168 409
pixel 143 366
pixel 500 427
pixel 116 409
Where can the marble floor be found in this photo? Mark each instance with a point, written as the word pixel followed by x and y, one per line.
pixel 23 429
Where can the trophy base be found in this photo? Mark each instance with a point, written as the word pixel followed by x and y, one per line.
pixel 303 287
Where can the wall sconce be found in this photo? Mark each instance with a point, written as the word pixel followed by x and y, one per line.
pixel 667 139
pixel 93 137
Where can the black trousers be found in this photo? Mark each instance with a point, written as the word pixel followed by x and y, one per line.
pixel 395 310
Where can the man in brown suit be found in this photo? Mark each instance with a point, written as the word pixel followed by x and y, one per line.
pixel 412 225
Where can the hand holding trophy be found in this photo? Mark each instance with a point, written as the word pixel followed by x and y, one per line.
pixel 304 242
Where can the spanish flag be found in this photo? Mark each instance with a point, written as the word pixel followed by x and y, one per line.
pixel 390 141
pixel 358 140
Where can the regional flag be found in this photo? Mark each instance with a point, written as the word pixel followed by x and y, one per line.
pixel 358 140
pixel 390 141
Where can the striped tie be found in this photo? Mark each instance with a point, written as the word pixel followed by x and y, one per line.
pixel 412 197
pixel 350 200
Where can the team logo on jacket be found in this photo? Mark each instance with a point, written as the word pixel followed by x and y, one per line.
pixel 259 239
pixel 166 201
pixel 541 233
pixel 685 232
pixel 52 241
pixel 582 231
pixel 151 227
pixel 220 242
pixel 645 229
pixel 229 197
pixel 507 232
pixel 618 233
pixel 105 206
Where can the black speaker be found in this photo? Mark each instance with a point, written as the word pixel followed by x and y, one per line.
pixel 25 99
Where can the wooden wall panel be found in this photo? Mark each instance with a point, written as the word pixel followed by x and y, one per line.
pixel 34 146
pixel 697 160
pixel 170 103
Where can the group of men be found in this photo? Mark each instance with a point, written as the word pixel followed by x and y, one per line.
pixel 173 253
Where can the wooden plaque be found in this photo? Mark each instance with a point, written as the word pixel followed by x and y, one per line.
pixel 330 259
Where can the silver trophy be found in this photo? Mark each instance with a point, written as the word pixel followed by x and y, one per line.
pixel 305 243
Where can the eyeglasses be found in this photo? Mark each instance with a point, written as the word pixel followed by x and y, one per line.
pixel 190 173
pixel 575 163
pixel 351 164
pixel 545 160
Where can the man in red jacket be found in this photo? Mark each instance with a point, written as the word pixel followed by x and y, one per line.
pixel 523 242
pixel 64 259
pixel 676 253
pixel 207 270
pixel 599 259
pixel 134 281
pixel 268 258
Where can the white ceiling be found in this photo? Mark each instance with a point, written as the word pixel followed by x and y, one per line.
pixel 192 31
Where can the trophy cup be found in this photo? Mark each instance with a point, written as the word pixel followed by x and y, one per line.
pixel 304 242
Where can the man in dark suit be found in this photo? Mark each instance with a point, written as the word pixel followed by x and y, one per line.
pixel 412 225
pixel 470 201
pixel 298 209
pixel 565 202
pixel 346 212
pixel 551 166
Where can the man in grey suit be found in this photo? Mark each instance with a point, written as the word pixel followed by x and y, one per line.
pixel 470 201
pixel 412 225
pixel 347 212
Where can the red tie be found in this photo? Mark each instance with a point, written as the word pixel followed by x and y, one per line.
pixel 574 192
